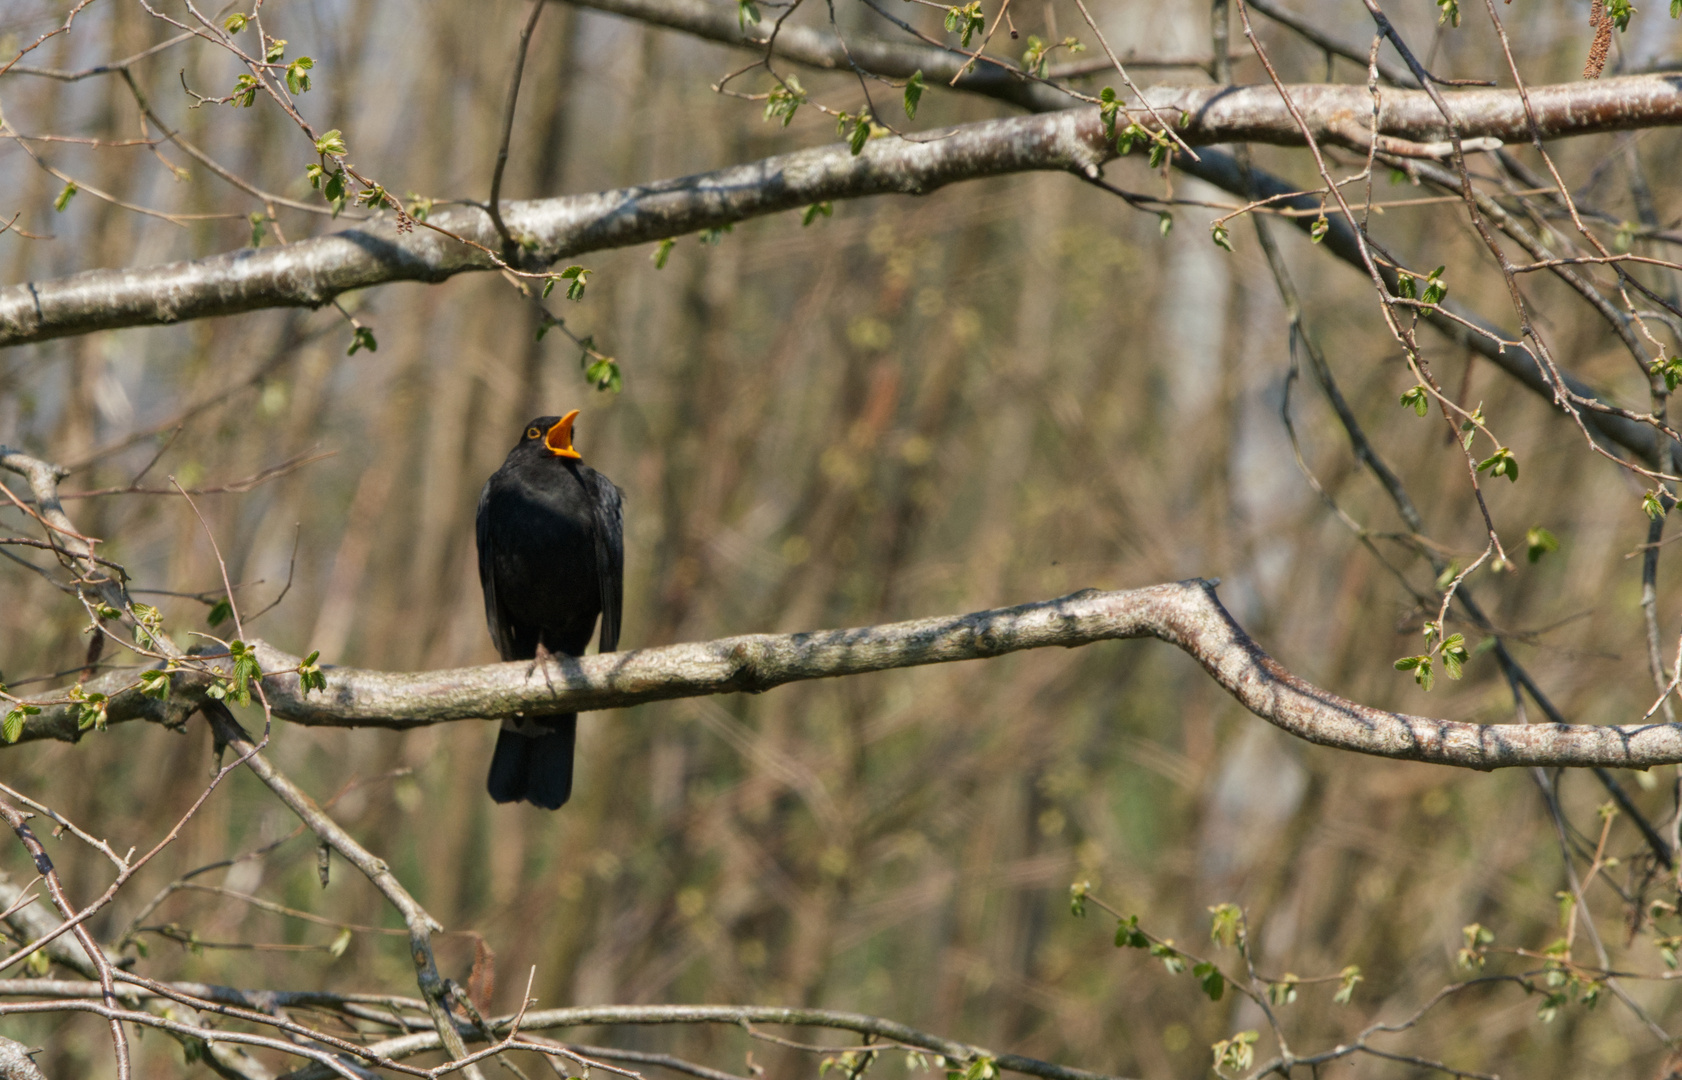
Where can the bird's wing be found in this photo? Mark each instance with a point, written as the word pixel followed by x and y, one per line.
pixel 502 632
pixel 605 502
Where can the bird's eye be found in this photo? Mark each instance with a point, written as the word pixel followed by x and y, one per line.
pixel 532 433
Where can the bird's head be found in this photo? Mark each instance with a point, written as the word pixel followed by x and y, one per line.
pixel 552 435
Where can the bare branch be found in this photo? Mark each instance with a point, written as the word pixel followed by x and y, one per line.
pixel 310 273
pixel 1186 614
pixel 736 1016
pixel 420 924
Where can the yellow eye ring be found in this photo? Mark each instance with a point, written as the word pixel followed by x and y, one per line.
pixel 532 433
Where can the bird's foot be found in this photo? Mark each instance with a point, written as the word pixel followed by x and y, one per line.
pixel 541 660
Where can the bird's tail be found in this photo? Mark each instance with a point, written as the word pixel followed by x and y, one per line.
pixel 533 760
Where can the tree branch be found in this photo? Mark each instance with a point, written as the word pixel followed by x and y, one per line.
pixel 895 59
pixel 895 1034
pixel 309 273
pixel 1186 614
pixel 420 924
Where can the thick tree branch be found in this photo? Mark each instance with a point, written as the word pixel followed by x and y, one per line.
pixel 1186 614
pixel 310 273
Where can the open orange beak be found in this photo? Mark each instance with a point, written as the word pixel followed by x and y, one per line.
pixel 559 437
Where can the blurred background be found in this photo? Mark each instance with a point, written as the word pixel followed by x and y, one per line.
pixel 1001 392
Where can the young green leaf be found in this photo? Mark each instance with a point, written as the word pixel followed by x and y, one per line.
pixel 1652 505
pixel 1161 147
pixel 1538 542
pixel 220 612
pixel 816 210
pixel 1421 668
pixel 1435 287
pixel 1237 1053
pixel 309 674
pixel 1417 399
pixel 362 338
pixel 1477 938
pixel 1670 369
pixel 1034 58
pixel 65 196
pixel 11 729
pixel 331 144
pixel 1077 899
pixel 746 12
pixel 297 75
pixel 1346 990
pixel 245 92
pixel 1226 925
pixel 1108 106
pixel 90 709
pixel 576 277
pixel 1129 936
pixel 1317 231
pixel 246 670
pixel 662 252
pixel 965 21
pixel 1172 959
pixel 1454 655
pixel 1213 982
pixel 785 100
pixel 276 50
pixel 154 684
pixel 1222 239
pixel 860 135
pixel 913 93
pixel 604 374
pixel 1500 463
pixel 235 22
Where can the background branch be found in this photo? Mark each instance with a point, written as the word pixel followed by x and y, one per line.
pixel 310 273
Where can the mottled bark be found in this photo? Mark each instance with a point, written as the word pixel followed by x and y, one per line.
pixel 15 1062
pixel 310 273
pixel 1186 614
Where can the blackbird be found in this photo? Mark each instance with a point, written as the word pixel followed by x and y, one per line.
pixel 551 559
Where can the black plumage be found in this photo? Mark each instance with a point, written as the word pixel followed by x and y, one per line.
pixel 551 560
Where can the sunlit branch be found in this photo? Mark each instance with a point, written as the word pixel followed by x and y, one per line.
pixel 311 273
pixel 893 1034
pixel 1186 614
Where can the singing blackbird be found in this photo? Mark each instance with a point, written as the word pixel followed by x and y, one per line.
pixel 551 559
